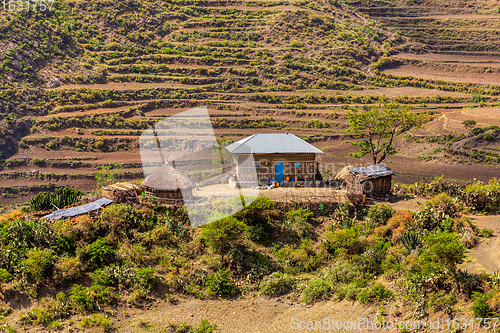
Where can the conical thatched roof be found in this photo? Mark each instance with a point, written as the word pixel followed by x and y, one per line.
pixel 345 174
pixel 167 178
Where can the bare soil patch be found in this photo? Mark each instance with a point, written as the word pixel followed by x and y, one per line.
pixel 486 256
pixel 434 74
pixel 443 57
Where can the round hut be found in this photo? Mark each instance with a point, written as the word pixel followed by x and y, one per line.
pixel 168 182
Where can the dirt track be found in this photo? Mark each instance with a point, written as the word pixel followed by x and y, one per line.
pixel 486 256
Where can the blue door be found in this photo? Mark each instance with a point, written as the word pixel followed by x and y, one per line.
pixel 279 172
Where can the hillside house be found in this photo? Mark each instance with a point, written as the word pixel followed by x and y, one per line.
pixel 280 157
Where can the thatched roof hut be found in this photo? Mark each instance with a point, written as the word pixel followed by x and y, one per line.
pixel 373 179
pixel 120 191
pixel 167 182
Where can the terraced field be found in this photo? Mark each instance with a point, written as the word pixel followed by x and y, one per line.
pixel 455 41
pixel 259 66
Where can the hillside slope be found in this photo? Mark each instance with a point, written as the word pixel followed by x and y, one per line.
pixel 81 83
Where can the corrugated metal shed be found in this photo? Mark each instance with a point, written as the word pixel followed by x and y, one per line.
pixel 376 170
pixel 272 143
pixel 79 210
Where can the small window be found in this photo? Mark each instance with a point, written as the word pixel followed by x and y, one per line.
pixel 255 164
pixel 297 164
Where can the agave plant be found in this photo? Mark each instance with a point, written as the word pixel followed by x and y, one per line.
pixel 495 279
pixel 410 240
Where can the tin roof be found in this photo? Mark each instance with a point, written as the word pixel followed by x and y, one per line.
pixel 376 170
pixel 272 143
pixel 74 211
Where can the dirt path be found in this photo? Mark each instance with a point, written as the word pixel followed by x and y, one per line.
pixel 486 256
pixel 255 315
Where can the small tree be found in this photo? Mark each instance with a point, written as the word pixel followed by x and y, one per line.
pixel 469 125
pixel 446 247
pixel 379 125
pixel 222 235
pixel 107 174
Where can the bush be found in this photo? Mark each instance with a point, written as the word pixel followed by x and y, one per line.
pixel 443 205
pixel 118 218
pixel 301 213
pixel 222 235
pixel 145 278
pixel 88 299
pixel 220 283
pixel 377 292
pixel 205 327
pixel 67 269
pixel 480 307
pixel 5 276
pixel 379 214
pixel 37 264
pixel 262 203
pixel 300 221
pixel 276 284
pixel 100 252
pixel 300 259
pixel 80 296
pixel 345 242
pixel 486 233
pixel 316 290
pixel 483 196
pixel 96 320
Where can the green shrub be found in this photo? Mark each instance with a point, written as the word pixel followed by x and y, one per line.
pixel 96 320
pixel 300 213
pixel 299 220
pixel 480 307
pixel 441 301
pixel 262 203
pixel 222 235
pixel 377 292
pixel 118 218
pixel 205 327
pixel 276 284
pixel 379 214
pixel 316 290
pixel 5 276
pixel 443 205
pixel 67 269
pixel 38 264
pixel 220 283
pixel 145 278
pixel 100 252
pixel 80 296
pixel 88 299
pixel 345 241
pixel 483 196
pixel 298 259
pixel 114 275
pixel 486 233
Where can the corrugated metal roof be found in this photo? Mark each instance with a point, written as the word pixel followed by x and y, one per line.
pixel 74 211
pixel 376 170
pixel 272 143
